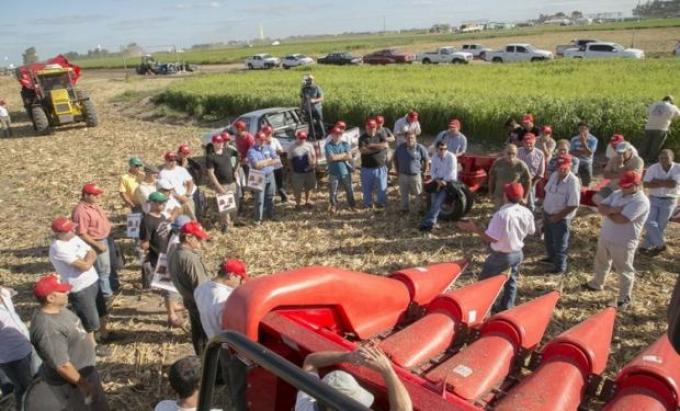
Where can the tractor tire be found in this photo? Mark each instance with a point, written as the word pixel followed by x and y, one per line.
pixel 469 198
pixel 41 123
pixel 455 204
pixel 89 112
pixel 496 60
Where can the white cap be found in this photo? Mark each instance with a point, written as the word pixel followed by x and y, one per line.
pixel 346 384
pixel 623 146
pixel 164 184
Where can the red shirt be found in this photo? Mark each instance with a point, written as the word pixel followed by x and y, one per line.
pixel 243 144
pixel 91 220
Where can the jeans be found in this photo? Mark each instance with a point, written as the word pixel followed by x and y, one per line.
pixel 235 376
pixel 106 268
pixel 278 177
pixel 264 200
pixel 20 373
pixel 585 171
pixel 346 182
pixel 659 213
pixel 436 201
pixel 374 179
pixel 497 263
pixel 556 236
pixel 651 144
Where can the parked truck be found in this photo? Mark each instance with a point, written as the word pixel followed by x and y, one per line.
pixel 574 44
pixel 603 50
pixel 518 52
pixel 262 61
pixel 444 55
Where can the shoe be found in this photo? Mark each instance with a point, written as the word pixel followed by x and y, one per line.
pixel 109 337
pixel 656 251
pixel 545 260
pixel 101 351
pixel 425 229
pixel 646 251
pixel 588 287
pixel 622 305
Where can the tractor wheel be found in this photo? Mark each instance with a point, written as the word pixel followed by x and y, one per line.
pixel 89 112
pixel 41 123
pixel 455 204
pixel 535 59
pixel 469 198
pixel 427 61
pixel 457 61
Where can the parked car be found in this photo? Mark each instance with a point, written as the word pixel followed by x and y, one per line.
pixel 444 55
pixel 518 52
pixel 603 50
pixel 262 61
pixel 477 50
pixel 339 59
pixel 388 56
pixel 295 60
pixel 576 43
pixel 286 122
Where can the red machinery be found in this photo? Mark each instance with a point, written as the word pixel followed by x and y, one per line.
pixel 445 349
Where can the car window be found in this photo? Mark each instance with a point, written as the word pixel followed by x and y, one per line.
pixel 465 47
pixel 510 49
pixel 257 57
pixel 600 47
pixel 521 49
pixel 447 51
pixel 280 119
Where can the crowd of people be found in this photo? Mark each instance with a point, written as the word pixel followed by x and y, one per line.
pixel 69 329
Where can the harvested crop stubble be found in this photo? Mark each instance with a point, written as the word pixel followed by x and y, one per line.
pixel 45 174
pixel 611 95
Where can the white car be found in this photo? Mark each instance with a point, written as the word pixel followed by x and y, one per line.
pixel 444 55
pixel 518 52
pixel 262 61
pixel 601 50
pixel 295 60
pixel 477 50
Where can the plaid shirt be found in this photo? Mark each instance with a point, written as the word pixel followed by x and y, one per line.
pixel 534 160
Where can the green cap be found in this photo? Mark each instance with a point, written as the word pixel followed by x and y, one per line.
pixel 135 162
pixel 158 197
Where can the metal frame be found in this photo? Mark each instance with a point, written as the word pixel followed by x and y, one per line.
pixel 273 363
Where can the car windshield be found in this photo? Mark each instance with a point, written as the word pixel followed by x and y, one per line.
pixel 280 119
pixel 346 55
pixel 617 47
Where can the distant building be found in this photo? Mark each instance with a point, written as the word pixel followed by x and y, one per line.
pixel 470 28
pixel 498 26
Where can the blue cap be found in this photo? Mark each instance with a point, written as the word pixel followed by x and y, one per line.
pixel 180 221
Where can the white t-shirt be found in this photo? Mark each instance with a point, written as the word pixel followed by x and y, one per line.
pixel 170 405
pixel 656 171
pixel 402 126
pixel 210 297
pixel 509 226
pixel 276 146
pixel 177 176
pixel 660 115
pixel 562 194
pixel 4 112
pixel 635 208
pixel 142 194
pixel 63 253
pixel 170 205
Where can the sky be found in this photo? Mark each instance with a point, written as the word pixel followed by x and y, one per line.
pixel 78 25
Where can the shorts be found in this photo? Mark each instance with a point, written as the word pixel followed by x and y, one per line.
pixel 304 181
pixel 89 306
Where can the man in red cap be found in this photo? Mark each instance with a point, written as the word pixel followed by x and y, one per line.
pixel 74 260
pixel 611 147
pixel 626 160
pixel 340 166
pixel 187 272
pixel 70 380
pixel 546 143
pixel 533 158
pixel 584 146
pixel 408 123
pixel 505 235
pixel 454 139
pixel 302 162
pixel 562 197
pixel 625 212
pixel 528 126
pixel 222 166
pixel 243 141
pixel 94 227
pixel 373 149
pixel 198 175
pixel 183 186
pixel 384 131
pixel 562 149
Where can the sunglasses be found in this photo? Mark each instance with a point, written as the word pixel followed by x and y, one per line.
pixel 443 148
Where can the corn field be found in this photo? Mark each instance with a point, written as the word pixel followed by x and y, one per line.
pixel 612 96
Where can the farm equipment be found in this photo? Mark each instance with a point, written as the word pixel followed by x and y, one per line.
pixel 50 97
pixel 149 65
pixel 447 351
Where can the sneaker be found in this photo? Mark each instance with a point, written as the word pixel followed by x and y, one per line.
pixel 588 287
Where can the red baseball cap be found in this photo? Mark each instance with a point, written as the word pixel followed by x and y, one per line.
pixel 225 136
pixel 194 228
pixel 514 191
pixel 217 138
pixel 267 129
pixel 454 123
pixel 629 178
pixel 48 284
pixel 184 149
pixel 529 137
pixel 340 124
pixel 261 135
pixel 616 139
pixel 380 119
pixel 371 123
pixel 63 225
pixel 546 130
pixel 92 188
pixel 302 135
pixel 413 115
pixel 336 130
pixel 170 156
pixel 527 118
pixel 564 162
pixel 234 266
pixel 240 125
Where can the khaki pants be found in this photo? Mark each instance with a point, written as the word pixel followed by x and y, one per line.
pixel 621 258
pixel 410 185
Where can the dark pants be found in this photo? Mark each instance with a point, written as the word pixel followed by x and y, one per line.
pixel 20 374
pixel 497 263
pixel 235 375
pixel 278 177
pixel 198 337
pixel 43 396
pixel 199 204
pixel 585 171
pixel 651 144
pixel 556 236
pixel 317 122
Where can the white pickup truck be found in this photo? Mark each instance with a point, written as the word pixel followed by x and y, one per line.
pixel 477 50
pixel 262 61
pixel 602 50
pixel 444 55
pixel 518 52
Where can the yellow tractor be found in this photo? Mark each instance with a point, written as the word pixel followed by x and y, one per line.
pixel 50 97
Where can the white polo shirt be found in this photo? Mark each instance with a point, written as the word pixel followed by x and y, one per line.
pixel 13 332
pixel 509 226
pixel 560 194
pixel 444 168
pixel 655 171
pixel 63 253
pixel 177 176
pixel 635 207
pixel 210 297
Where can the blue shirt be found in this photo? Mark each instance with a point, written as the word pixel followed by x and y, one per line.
pixel 410 160
pixel 591 142
pixel 310 92
pixel 337 168
pixel 456 144
pixel 258 153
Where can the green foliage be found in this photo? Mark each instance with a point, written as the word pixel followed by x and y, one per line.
pixel 611 95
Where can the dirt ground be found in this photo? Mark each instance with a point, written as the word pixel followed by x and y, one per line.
pixel 43 176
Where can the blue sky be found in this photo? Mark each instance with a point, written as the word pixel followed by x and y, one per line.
pixel 59 26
